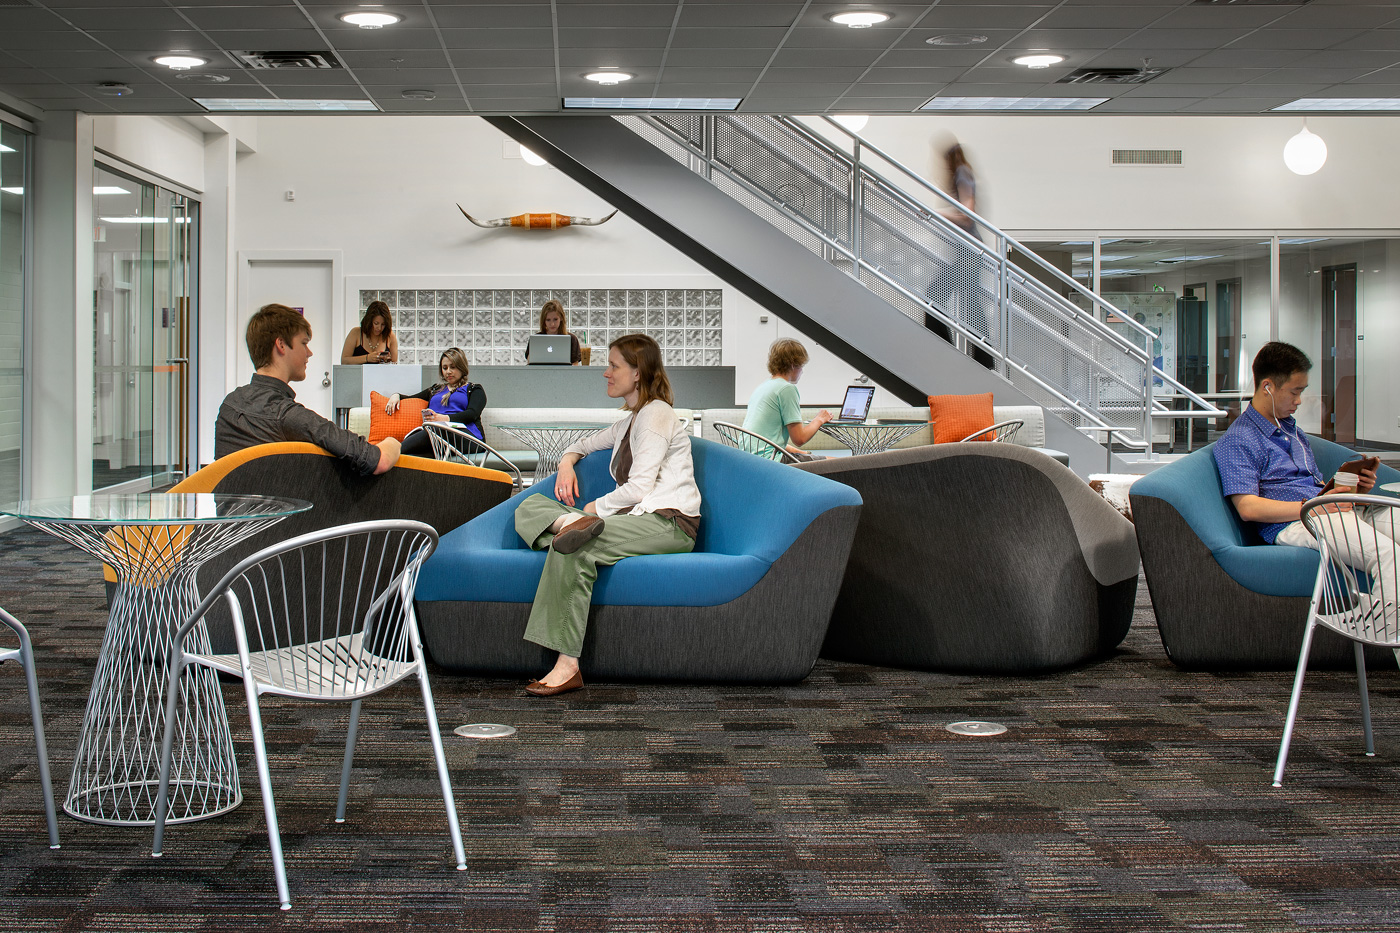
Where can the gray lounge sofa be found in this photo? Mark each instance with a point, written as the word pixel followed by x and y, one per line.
pixel 988 558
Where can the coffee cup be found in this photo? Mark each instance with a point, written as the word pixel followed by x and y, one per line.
pixel 1345 484
pixel 587 355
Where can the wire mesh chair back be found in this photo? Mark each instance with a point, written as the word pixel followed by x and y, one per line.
pixel 1357 590
pixel 1001 432
pixel 735 436
pixel 329 615
pixel 455 444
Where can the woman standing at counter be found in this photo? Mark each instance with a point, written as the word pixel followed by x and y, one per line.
pixel 553 322
pixel 453 399
pixel 373 341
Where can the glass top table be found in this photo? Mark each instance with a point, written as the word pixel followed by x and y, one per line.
pixel 550 440
pixel 871 437
pixel 155 542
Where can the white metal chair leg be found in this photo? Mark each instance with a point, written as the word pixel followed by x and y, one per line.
pixel 274 836
pixel 26 660
pixel 167 741
pixel 1365 698
pixel 1293 705
pixel 443 777
pixel 350 735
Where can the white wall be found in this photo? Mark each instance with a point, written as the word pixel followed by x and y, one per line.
pixel 167 147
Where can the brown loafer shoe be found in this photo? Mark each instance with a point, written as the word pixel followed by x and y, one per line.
pixel 576 534
pixel 538 689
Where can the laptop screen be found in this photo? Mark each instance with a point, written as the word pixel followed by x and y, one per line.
pixel 857 403
pixel 549 349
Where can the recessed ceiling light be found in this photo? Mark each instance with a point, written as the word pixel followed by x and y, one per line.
pixel 1039 59
pixel 108 189
pixel 956 38
pixel 418 94
pixel 858 19
pixel 1343 103
pixel 609 78
pixel 530 158
pixel 180 62
pixel 275 104
pixel 1013 103
pixel 371 20
pixel 652 103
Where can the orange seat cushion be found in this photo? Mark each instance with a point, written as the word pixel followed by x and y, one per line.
pixel 408 417
pixel 954 417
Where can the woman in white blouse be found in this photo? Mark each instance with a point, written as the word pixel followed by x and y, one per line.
pixel 655 508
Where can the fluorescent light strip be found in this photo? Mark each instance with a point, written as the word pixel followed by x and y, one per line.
pixel 108 189
pixel 1342 103
pixel 279 104
pixel 4 148
pixel 652 103
pixel 1013 103
pixel 142 220
pixel 12 190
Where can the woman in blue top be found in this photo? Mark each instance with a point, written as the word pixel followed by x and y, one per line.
pixel 454 399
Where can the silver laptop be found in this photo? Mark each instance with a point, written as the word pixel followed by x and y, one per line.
pixel 856 406
pixel 550 350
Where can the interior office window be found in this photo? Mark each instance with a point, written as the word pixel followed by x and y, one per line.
pixel 1337 299
pixel 14 147
pixel 143 287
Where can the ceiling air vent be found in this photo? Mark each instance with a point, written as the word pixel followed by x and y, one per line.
pixel 1147 157
pixel 288 59
pixel 1112 75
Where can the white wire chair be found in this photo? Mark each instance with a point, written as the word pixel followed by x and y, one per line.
pixel 1355 594
pixel 452 442
pixel 24 654
pixel 735 436
pixel 324 616
pixel 1002 431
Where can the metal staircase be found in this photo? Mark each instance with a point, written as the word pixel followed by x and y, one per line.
pixel 882 227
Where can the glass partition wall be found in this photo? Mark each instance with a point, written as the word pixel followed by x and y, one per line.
pixel 14 148
pixel 1209 300
pixel 143 282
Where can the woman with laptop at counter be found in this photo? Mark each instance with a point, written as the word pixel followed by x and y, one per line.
pixel 373 341
pixel 453 399
pixel 554 323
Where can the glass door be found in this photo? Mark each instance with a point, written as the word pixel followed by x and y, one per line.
pixel 144 279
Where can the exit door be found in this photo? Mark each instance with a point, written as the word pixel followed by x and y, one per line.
pixel 1339 353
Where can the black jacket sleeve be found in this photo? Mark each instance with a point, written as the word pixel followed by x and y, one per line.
pixel 476 404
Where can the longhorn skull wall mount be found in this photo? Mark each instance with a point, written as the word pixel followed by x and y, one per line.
pixel 538 221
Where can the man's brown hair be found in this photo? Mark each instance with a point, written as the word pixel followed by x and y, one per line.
pixel 785 355
pixel 267 326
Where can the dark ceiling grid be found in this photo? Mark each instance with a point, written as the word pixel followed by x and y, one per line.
pixel 554 33
pixel 442 41
pixel 666 52
pixel 777 49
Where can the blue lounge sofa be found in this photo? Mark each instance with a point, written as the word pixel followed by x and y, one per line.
pixel 750 604
pixel 1224 599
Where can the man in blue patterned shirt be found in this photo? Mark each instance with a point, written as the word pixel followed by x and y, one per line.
pixel 1267 468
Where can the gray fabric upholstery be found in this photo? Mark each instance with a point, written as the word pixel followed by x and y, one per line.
pixel 979 557
pixel 771 634
pixel 1208 621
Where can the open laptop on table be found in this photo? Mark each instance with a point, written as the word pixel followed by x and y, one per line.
pixel 549 350
pixel 856 406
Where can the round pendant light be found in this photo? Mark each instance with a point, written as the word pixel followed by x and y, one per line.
pixel 1305 153
pixel 855 122
pixel 530 158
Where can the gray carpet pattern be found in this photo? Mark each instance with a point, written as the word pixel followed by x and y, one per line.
pixel 1126 796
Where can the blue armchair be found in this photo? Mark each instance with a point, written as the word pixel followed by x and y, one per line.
pixel 1224 599
pixel 750 604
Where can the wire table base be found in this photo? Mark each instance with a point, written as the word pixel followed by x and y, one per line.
pixel 116 766
pixel 550 441
pixel 872 437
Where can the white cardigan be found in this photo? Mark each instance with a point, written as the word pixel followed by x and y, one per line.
pixel 662 475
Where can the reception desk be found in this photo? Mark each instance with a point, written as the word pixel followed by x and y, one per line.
pixel 528 386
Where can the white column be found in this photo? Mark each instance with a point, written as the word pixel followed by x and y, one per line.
pixel 218 282
pixel 60 334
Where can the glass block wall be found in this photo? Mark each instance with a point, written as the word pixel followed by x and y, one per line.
pixel 492 325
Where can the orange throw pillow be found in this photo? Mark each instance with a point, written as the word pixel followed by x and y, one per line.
pixel 954 417
pixel 408 417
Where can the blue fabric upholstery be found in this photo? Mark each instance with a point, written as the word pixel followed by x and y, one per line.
pixel 1191 485
pixel 752 510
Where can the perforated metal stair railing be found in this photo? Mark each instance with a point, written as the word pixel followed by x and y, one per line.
pixel 894 232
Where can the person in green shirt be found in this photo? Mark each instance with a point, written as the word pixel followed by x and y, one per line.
pixel 775 411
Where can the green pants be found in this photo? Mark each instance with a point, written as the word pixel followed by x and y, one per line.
pixel 559 616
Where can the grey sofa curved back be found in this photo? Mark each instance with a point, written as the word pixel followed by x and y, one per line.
pixel 979 557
